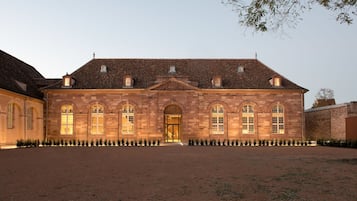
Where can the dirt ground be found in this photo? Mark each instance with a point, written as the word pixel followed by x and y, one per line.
pixel 179 173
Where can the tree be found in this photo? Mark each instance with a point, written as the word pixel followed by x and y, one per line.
pixel 324 97
pixel 267 15
pixel 325 94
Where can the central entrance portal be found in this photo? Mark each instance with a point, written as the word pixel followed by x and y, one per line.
pixel 172 123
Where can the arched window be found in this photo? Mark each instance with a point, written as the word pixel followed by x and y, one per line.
pixel 217 116
pixel 127 119
pixel 278 119
pixel 67 120
pixel 97 119
pixel 248 119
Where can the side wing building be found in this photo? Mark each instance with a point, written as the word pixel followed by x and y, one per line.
pixel 21 101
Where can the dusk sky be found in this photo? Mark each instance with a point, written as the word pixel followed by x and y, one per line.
pixel 59 36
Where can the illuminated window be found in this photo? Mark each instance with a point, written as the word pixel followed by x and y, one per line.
pixel 217 117
pixel 127 119
pixel 276 81
pixel 278 119
pixel 68 81
pixel 29 118
pixel 248 119
pixel 67 120
pixel 128 81
pixel 10 115
pixel 97 119
pixel 217 82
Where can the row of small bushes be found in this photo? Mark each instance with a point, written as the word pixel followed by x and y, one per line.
pixel 85 143
pixel 338 143
pixel 277 142
pixel 28 143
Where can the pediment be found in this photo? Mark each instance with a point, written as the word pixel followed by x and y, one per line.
pixel 173 84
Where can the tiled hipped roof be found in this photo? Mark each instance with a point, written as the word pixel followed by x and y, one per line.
pixel 18 77
pixel 146 72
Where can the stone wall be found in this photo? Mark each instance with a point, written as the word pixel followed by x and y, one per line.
pixel 330 122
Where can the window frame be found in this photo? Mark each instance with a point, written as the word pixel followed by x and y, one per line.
pixel 128 119
pixel 217 119
pixel 67 127
pixel 10 116
pixel 248 114
pixel 97 119
pixel 278 119
pixel 128 81
pixel 29 118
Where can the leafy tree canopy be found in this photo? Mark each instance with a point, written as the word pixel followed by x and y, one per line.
pixel 267 15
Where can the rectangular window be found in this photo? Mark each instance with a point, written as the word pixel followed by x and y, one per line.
pixel 248 119
pixel 97 119
pixel 29 119
pixel 128 82
pixel 217 120
pixel 10 116
pixel 278 120
pixel 128 124
pixel 128 119
pixel 67 120
pixel 97 124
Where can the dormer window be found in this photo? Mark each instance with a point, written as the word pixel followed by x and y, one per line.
pixel 22 85
pixel 217 82
pixel 172 70
pixel 128 81
pixel 68 81
pixel 276 81
pixel 240 69
pixel 103 68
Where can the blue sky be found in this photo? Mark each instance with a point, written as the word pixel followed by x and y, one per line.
pixel 60 36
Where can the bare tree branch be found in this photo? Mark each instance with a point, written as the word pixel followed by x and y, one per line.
pixel 272 15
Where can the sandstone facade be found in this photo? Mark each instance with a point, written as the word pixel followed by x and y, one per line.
pixel 166 88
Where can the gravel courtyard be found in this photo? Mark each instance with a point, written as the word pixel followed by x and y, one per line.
pixel 179 173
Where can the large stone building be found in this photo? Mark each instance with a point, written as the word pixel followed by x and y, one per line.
pixel 168 99
pixel 332 122
pixel 174 100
